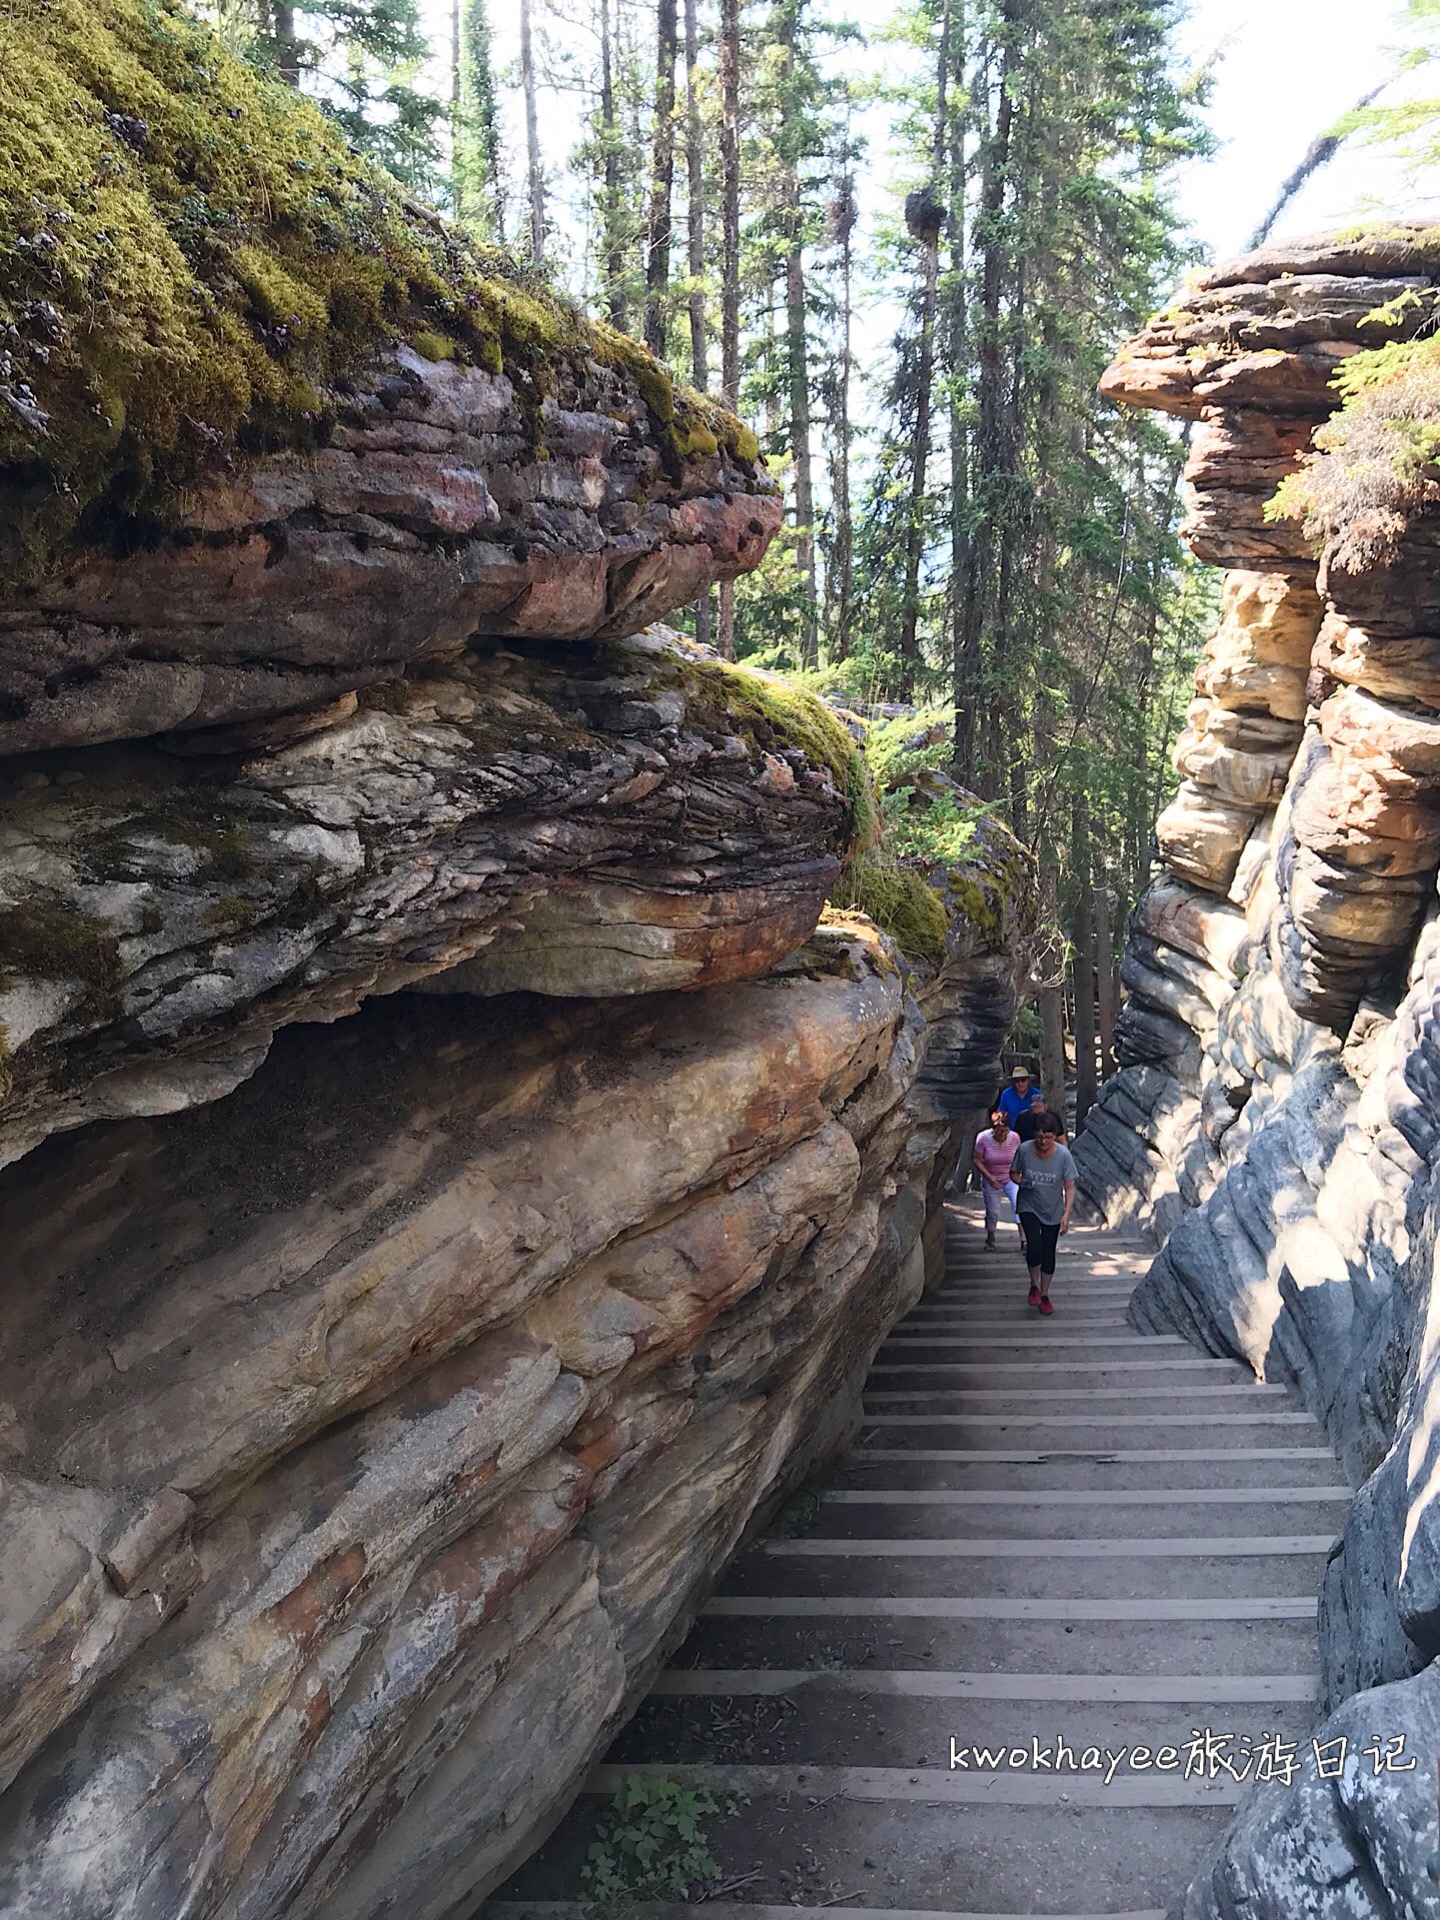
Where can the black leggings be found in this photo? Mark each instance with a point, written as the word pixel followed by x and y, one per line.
pixel 1041 1240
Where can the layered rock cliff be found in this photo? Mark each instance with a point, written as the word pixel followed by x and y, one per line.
pixel 457 1178
pixel 1274 1115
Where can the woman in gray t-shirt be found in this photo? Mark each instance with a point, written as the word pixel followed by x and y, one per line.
pixel 1045 1174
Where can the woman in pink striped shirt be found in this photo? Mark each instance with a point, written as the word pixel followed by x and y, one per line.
pixel 994 1151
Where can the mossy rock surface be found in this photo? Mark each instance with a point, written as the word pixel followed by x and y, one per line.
pixel 192 262
pixel 900 901
pixel 777 715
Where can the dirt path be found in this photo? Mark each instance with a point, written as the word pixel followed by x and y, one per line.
pixel 1052 1534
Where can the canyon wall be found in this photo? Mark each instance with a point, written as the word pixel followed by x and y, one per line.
pixel 456 1171
pixel 1274 1115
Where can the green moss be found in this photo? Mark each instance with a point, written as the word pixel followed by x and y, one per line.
pixel 978 899
pixel 899 900
pixel 688 426
pixel 229 913
pixel 55 942
pixel 224 848
pixel 190 255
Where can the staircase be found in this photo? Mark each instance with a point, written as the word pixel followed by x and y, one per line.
pixel 1049 1531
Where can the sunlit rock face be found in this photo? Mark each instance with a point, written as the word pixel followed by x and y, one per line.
pixel 369 1434
pixel 454 1172
pixel 458 1183
pixel 1274 1117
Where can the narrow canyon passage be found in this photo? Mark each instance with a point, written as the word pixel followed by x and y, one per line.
pixel 1060 1532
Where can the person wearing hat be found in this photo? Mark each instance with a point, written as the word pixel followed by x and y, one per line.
pixel 1021 1103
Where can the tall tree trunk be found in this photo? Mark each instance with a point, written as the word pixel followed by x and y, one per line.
pixel 287 46
pixel 534 180
pixel 695 203
pixel 729 258
pixel 965 670
pixel 1083 965
pixel 926 228
pixel 843 556
pixel 695 226
pixel 990 452
pixel 797 355
pixel 480 190
pixel 612 244
pixel 662 180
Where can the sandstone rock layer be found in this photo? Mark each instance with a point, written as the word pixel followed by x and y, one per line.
pixel 1274 1112
pixel 454 1174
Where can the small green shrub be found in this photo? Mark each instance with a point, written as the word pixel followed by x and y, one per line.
pixel 899 900
pixel 652 1844
pixel 1376 462
pixel 898 749
pixel 939 830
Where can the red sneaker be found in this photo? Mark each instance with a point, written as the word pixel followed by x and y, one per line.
pixel 1033 1298
pixel 1046 1306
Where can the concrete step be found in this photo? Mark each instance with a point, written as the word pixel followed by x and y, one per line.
pixel 853 1516
pixel 1033 1339
pixel 1061 1398
pixel 1068 1610
pixel 1185 1689
pixel 1079 1470
pixel 851 1729
pixel 1005 1642
pixel 1046 1431
pixel 1136 1569
pixel 1049 1530
pixel 807 1841
pixel 1080 1373
pixel 925 1784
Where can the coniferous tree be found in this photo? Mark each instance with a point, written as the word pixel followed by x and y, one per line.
pixel 477 185
pixel 729 259
pixel 360 59
pixel 534 175
pixel 662 178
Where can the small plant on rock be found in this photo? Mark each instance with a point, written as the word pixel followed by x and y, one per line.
pixel 652 1844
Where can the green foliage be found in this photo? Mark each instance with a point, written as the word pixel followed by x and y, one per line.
pixel 791 715
pixel 359 59
pixel 477 192
pixel 899 748
pixel 924 836
pixel 938 830
pixel 652 1844
pixel 898 899
pixel 1412 126
pixel 1376 461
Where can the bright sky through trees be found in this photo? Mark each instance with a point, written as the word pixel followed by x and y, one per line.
pixel 1289 68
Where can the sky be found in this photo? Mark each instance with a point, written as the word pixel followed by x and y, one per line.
pixel 1289 68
